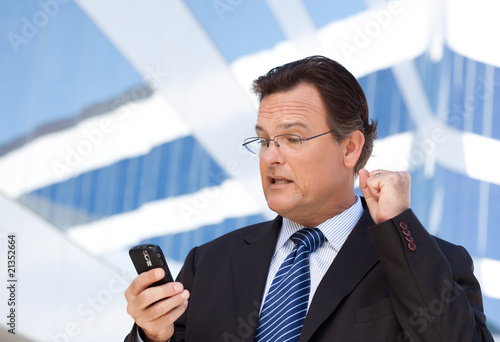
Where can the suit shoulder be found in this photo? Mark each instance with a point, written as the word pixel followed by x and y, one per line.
pixel 238 237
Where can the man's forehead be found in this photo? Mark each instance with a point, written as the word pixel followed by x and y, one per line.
pixel 283 125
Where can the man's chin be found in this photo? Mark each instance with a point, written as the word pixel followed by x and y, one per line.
pixel 280 207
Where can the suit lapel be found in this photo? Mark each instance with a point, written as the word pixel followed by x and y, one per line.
pixel 356 257
pixel 250 265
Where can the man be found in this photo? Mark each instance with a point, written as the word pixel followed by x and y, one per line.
pixel 377 274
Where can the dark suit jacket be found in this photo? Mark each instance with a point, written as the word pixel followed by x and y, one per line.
pixel 378 288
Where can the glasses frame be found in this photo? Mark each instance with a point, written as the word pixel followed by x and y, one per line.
pixel 254 139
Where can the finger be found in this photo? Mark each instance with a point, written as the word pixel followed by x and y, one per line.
pixel 143 281
pixel 165 306
pixel 154 294
pixel 363 185
pixel 178 311
pixel 369 184
pixel 374 186
pixel 175 313
pixel 139 306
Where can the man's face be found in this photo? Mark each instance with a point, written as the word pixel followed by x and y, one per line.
pixel 312 185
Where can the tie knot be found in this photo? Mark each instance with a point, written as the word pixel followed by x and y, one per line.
pixel 311 238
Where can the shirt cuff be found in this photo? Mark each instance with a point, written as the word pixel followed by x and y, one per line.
pixel 139 339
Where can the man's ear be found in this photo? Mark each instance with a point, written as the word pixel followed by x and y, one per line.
pixel 353 147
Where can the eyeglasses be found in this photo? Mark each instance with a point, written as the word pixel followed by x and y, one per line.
pixel 286 143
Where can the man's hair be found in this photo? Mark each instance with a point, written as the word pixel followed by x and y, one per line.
pixel 344 99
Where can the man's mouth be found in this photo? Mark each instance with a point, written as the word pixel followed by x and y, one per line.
pixel 280 180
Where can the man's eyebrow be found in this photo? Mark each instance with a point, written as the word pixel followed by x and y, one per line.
pixel 284 125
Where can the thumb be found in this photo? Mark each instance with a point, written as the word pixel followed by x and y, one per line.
pixel 363 184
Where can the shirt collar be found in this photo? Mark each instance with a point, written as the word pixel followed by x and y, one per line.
pixel 335 229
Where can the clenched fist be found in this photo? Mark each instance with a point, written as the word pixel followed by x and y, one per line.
pixel 387 193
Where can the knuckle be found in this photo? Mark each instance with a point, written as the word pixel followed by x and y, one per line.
pixel 129 293
pixel 404 174
pixel 158 309
pixel 167 289
pixel 145 297
pixel 404 177
pixel 130 310
pixel 408 177
pixel 141 280
pixel 134 285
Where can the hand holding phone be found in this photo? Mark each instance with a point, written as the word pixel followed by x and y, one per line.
pixel 152 319
pixel 148 256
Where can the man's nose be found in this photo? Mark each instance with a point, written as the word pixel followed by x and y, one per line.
pixel 272 154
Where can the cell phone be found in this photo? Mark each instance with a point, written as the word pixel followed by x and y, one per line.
pixel 148 256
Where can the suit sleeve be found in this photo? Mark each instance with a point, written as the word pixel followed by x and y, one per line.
pixel 433 289
pixel 186 277
pixel 133 336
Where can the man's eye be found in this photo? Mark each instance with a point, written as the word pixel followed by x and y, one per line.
pixel 293 140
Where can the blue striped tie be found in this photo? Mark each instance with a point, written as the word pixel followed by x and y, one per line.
pixel 285 308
